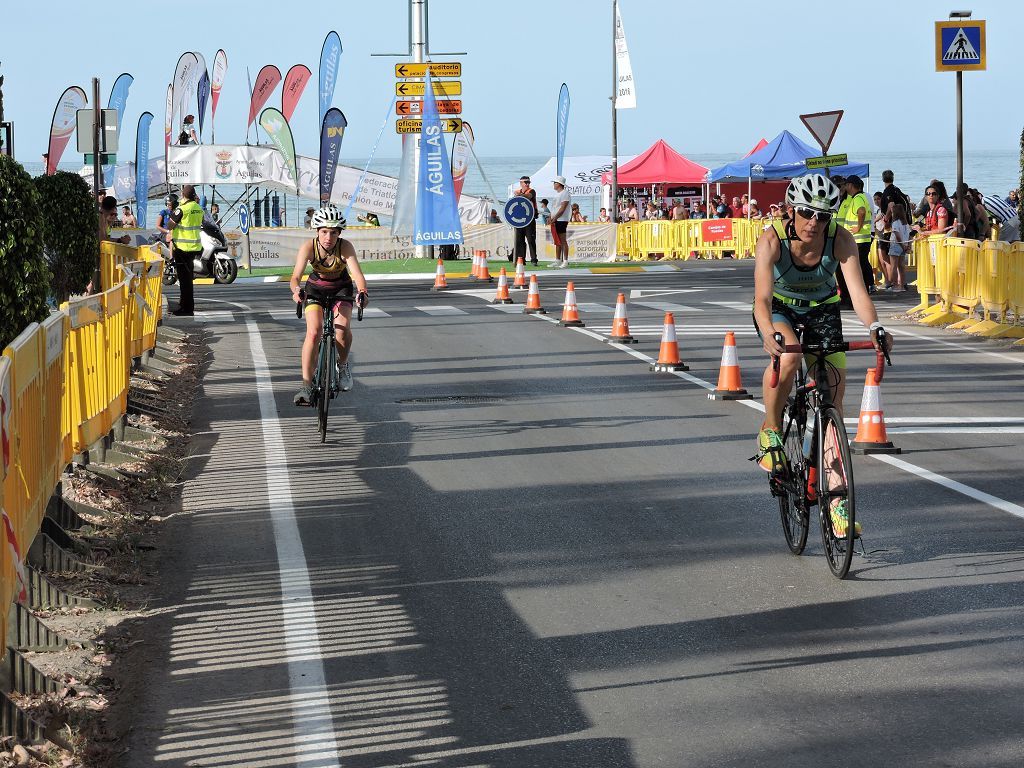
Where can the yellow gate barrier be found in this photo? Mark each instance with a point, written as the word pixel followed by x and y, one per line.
pixel 640 240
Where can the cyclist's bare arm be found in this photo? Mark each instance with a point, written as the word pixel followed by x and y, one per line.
pixel 766 255
pixel 849 262
pixel 305 251
pixel 348 251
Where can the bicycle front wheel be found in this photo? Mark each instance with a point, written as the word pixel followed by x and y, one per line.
pixel 791 488
pixel 836 501
pixel 324 375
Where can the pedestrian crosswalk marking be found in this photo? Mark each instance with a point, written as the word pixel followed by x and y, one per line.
pixel 594 308
pixel 739 305
pixel 442 310
pixel 665 306
pixel 215 316
pixel 509 308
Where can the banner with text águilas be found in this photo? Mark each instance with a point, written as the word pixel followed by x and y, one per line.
pixel 142 162
pixel 332 131
pixel 330 59
pixel 437 211
pixel 462 147
pixel 65 117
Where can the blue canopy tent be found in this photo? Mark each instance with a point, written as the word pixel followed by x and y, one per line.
pixel 783 158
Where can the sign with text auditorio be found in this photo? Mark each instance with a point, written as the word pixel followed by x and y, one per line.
pixel 959 45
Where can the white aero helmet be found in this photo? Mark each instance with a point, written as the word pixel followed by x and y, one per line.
pixel 329 216
pixel 814 190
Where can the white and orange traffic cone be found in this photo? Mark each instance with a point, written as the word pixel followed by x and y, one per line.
pixel 668 355
pixel 533 306
pixel 730 385
pixel 570 312
pixel 501 295
pixel 520 281
pixel 440 281
pixel 483 273
pixel 620 323
pixel 475 264
pixel 871 437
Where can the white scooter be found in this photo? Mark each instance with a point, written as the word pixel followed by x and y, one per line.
pixel 214 261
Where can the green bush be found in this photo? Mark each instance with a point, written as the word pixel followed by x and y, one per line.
pixel 70 239
pixel 24 276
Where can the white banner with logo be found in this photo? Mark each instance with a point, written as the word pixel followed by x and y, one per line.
pixel 277 247
pixel 582 176
pixel 241 164
pixel 625 96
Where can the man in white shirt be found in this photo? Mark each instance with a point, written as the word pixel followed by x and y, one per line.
pixel 560 222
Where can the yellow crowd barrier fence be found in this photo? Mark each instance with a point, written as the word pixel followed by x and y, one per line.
pixel 63 386
pixel 978 287
pixel 643 240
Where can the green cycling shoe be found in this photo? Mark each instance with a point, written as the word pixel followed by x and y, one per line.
pixel 770 452
pixel 840 519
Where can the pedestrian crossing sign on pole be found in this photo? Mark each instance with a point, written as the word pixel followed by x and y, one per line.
pixel 959 45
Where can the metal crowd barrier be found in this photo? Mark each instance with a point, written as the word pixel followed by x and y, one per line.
pixel 63 387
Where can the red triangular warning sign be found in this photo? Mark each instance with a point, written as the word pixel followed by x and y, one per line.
pixel 822 126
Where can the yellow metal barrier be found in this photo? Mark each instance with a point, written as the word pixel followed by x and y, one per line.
pixel 993 288
pixel 7 574
pixel 957 275
pixel 926 257
pixel 640 240
pixel 84 405
pixel 112 256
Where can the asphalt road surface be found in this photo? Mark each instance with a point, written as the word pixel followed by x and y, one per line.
pixel 519 547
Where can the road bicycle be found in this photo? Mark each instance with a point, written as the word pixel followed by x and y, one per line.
pixel 326 378
pixel 816 468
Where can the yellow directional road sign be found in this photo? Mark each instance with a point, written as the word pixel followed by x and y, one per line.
pixel 440 87
pixel 826 161
pixel 448 125
pixel 437 69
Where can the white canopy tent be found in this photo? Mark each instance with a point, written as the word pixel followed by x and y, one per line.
pixel 582 176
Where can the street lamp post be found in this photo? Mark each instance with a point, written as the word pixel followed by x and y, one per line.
pixel 959 130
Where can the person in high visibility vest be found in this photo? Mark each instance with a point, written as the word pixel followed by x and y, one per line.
pixel 857 221
pixel 186 223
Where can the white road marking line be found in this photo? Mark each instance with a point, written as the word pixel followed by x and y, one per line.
pixel 284 314
pixel 665 306
pixel 947 420
pixel 642 293
pixel 441 310
pixel 922 337
pixel 215 316
pixel 954 430
pixel 372 312
pixel 973 493
pixel 737 305
pixel 594 308
pixel 508 308
pixel 311 709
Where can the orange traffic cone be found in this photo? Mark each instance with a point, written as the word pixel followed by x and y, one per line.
pixel 533 306
pixel 668 356
pixel 570 312
pixel 620 324
pixel 520 281
pixel 483 273
pixel 475 271
pixel 730 386
pixel 440 281
pixel 501 295
pixel 871 437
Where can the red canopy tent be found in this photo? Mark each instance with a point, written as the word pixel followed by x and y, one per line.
pixel 758 147
pixel 660 164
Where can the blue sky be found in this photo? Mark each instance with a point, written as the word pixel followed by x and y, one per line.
pixel 710 76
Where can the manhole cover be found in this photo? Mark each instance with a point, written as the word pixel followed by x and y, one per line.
pixel 455 399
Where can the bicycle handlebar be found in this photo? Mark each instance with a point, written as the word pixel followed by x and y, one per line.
pixel 881 355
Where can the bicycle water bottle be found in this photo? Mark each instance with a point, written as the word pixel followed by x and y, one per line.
pixel 809 441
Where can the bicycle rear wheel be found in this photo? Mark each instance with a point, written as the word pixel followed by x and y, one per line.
pixel 791 488
pixel 835 489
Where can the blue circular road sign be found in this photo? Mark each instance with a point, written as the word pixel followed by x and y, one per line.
pixel 519 212
pixel 243 218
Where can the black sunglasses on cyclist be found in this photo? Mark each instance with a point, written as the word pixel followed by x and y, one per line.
pixel 810 213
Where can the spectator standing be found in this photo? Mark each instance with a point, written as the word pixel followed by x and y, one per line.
pixel 108 210
pixel 891 193
pixel 744 204
pixel 575 217
pixel 603 216
pixel 526 235
pixel 186 222
pixel 898 246
pixel 739 209
pixel 967 219
pixel 882 226
pixel 1011 198
pixel 857 221
pixel 982 224
pixel 163 219
pixel 188 132
pixel 938 215
pixel 128 219
pixel 308 224
pixel 215 213
pixel 697 211
pixel 753 211
pixel 632 214
pixel 560 222
pixel 544 212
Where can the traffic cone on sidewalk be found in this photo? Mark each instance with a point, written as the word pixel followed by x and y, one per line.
pixel 533 306
pixel 871 437
pixel 440 281
pixel 570 312
pixel 730 385
pixel 620 324
pixel 520 281
pixel 668 355
pixel 501 295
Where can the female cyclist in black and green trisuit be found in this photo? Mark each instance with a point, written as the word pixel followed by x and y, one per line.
pixel 795 282
pixel 337 281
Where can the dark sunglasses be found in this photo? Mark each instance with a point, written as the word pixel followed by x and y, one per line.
pixel 810 213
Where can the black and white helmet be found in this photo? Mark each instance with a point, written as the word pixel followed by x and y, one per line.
pixel 329 216
pixel 815 191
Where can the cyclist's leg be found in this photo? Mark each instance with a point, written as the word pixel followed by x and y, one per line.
pixel 313 312
pixel 343 329
pixel 775 397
